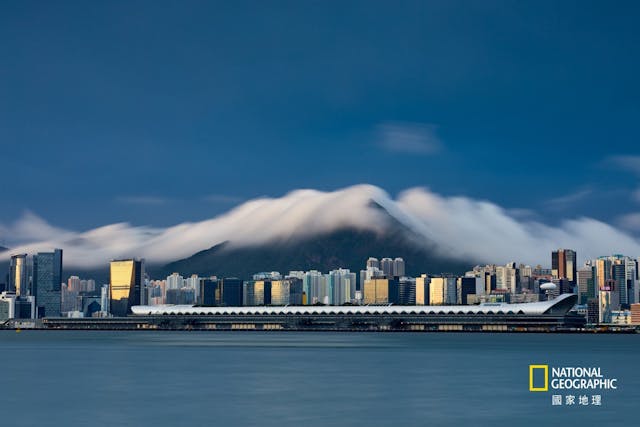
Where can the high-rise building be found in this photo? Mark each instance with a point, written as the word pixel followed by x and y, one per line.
pixel 18 275
pixel 406 292
pixel 586 284
pixel 105 299
pixel 125 285
pixel 47 282
pixel 386 264
pixel 209 294
pixel 422 290
pixel 563 265
pixel 232 292
pixel 376 291
pixel 373 263
pixel 437 290
pixel 175 281
pixel 507 278
pixel 257 292
pixel 314 288
pixel 466 287
pixel 74 284
pixel 341 285
pixel 398 267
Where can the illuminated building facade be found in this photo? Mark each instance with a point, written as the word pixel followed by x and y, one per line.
pixel 18 276
pixel 125 284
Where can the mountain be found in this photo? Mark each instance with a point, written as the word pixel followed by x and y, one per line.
pixel 345 226
pixel 346 248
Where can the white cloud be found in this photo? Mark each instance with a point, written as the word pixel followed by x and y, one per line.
pixel 413 138
pixel 568 199
pixel 626 162
pixel 461 227
pixel 630 221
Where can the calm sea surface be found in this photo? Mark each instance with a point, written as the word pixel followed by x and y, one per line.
pixel 52 378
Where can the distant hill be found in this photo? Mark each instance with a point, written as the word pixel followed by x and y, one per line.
pixel 347 248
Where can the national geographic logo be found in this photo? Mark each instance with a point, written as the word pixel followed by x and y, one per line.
pixel 535 371
pixel 569 378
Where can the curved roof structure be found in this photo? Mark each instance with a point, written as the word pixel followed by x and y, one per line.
pixel 561 304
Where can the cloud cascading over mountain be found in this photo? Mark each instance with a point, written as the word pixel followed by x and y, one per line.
pixel 457 227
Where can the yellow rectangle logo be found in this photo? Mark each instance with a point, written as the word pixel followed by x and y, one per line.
pixel 545 368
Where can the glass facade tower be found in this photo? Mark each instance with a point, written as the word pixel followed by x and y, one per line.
pixel 125 283
pixel 18 277
pixel 47 281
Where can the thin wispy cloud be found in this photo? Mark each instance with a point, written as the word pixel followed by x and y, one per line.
pixel 630 221
pixel 142 200
pixel 629 163
pixel 412 138
pixel 569 199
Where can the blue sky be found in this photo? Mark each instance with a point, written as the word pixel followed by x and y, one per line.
pixel 161 112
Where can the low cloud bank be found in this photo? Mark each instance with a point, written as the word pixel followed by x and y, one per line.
pixel 460 227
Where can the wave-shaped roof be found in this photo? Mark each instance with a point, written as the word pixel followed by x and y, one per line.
pixel 561 303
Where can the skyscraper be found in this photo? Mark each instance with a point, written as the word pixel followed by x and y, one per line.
pixel 386 264
pixel 586 283
pixel 341 285
pixel 125 285
pixel 373 262
pixel 18 275
pixel 563 265
pixel 231 292
pixel 398 267
pixel 47 280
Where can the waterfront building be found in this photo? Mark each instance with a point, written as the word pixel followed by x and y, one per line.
pixel 18 275
pixel 209 294
pixel 406 291
pixel 25 307
pixel 7 306
pixel 593 311
pixel 635 314
pixel 231 289
pixel 585 277
pixel 376 291
pixel 609 300
pixel 563 265
pixel 257 292
pixel 125 285
pixel 181 296
pixel 341 285
pixel 466 286
pixel 105 300
pixel 314 288
pixel 47 281
pixel 437 291
pixel 295 290
pixel 422 290
pixel 507 278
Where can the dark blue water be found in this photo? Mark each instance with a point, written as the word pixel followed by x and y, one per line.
pixel 52 378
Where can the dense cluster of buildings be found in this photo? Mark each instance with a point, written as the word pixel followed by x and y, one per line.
pixel 607 287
